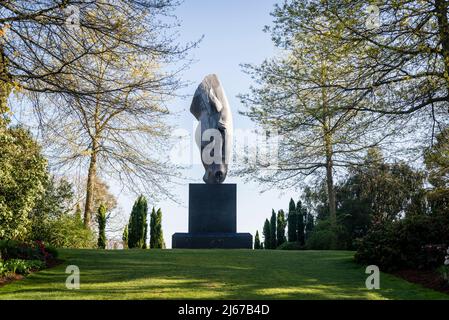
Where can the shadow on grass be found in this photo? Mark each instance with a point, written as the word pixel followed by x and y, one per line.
pixel 212 274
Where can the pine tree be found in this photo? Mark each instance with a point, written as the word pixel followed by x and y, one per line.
pixel 144 214
pixel 301 213
pixel 160 244
pixel 145 230
pixel 267 234
pixel 132 226
pixel 292 222
pixel 156 234
pixel 257 241
pixel 101 220
pixel 273 230
pixel 125 237
pixel 280 230
pixel 137 224
pixel 153 236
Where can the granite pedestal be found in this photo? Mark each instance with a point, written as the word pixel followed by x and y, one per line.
pixel 212 219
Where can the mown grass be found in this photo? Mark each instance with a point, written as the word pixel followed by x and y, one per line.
pixel 212 274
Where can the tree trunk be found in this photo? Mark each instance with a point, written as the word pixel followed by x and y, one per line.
pixel 91 176
pixel 441 8
pixel 328 149
pixel 329 153
pixel 5 84
pixel 331 191
pixel 92 173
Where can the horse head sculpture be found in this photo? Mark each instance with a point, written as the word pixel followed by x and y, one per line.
pixel 214 133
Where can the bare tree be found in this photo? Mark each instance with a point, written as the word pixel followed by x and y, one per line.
pixel 99 86
pixel 405 70
pixel 42 41
pixel 298 97
pixel 121 133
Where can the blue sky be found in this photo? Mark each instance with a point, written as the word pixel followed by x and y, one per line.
pixel 233 35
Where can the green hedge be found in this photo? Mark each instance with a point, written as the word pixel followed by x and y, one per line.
pixel 290 246
pixel 418 241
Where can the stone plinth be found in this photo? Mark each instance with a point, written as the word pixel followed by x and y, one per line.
pixel 212 219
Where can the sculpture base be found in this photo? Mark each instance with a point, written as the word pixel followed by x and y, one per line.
pixel 212 208
pixel 212 219
pixel 212 240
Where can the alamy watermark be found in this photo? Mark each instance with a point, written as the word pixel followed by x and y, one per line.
pixel 72 18
pixel 246 146
pixel 73 280
pixel 373 20
pixel 373 280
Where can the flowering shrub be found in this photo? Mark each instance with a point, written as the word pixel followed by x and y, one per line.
pixel 26 251
pixel 22 258
pixel 42 251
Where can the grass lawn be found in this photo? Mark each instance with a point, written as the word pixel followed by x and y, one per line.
pixel 212 274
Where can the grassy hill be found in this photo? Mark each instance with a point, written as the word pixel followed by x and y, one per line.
pixel 212 274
